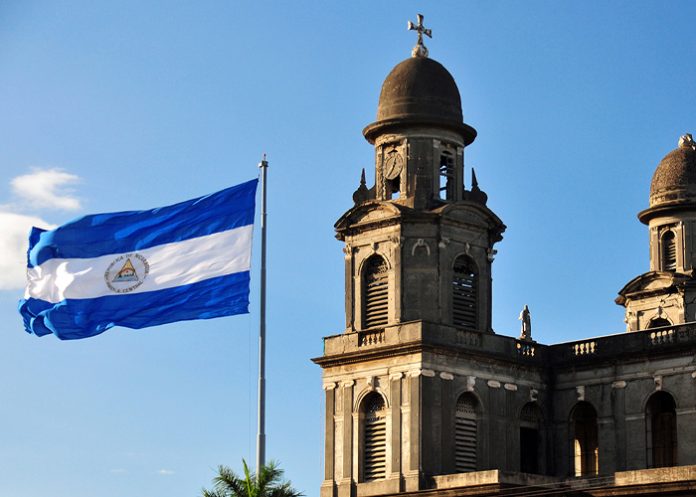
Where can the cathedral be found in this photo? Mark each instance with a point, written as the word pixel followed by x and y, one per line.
pixel 421 395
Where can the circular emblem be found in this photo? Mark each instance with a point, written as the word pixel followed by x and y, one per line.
pixel 393 164
pixel 126 273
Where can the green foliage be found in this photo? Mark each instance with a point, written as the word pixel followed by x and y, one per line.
pixel 268 484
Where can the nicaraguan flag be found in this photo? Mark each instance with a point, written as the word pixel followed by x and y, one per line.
pixel 142 268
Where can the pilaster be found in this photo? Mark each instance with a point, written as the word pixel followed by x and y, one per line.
pixel 345 484
pixel 395 387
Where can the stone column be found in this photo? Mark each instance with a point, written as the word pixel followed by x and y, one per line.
pixel 561 463
pixel 561 440
pixel 430 433
pixel 412 476
pixel 447 423
pixel 422 168
pixel 686 436
pixel 329 431
pixel 395 385
pixel 350 303
pixel 607 445
pixel 345 483
pixel 619 409
pixel 635 444
pixel 512 432
pixel 397 293
pixel 459 173
pixel 497 425
pixel 327 487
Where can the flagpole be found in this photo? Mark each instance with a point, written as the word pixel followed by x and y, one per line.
pixel 261 434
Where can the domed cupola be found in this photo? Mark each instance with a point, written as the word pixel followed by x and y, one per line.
pixel 419 135
pixel 674 182
pixel 419 91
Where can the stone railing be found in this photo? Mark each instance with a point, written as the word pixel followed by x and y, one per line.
pixel 372 337
pixel 661 337
pixel 632 343
pixel 525 348
pixel 492 344
pixel 584 348
pixel 590 350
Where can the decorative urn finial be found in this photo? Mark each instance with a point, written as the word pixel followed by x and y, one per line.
pixel 687 141
pixel 420 50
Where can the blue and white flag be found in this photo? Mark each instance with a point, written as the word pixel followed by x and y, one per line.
pixel 142 268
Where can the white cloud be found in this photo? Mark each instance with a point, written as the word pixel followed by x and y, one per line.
pixel 117 471
pixel 47 188
pixel 14 242
pixel 165 472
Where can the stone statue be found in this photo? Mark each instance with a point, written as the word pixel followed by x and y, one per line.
pixel 526 318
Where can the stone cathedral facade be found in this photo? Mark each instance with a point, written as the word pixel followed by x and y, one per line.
pixel 422 395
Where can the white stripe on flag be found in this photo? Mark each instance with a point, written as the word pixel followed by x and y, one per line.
pixel 170 265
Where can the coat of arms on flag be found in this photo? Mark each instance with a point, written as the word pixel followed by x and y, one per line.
pixel 128 277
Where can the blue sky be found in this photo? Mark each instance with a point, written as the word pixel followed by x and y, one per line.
pixel 128 105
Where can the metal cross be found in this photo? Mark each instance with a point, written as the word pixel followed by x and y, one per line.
pixel 420 49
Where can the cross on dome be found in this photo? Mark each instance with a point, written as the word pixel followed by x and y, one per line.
pixel 420 50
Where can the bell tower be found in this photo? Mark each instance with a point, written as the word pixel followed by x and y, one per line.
pixel 666 295
pixel 434 239
pixel 418 256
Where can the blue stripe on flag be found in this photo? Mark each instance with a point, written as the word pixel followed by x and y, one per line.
pixel 120 232
pixel 82 318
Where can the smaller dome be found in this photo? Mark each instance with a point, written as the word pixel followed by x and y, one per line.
pixel 674 181
pixel 417 91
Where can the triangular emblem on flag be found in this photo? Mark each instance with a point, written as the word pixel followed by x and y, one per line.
pixel 126 273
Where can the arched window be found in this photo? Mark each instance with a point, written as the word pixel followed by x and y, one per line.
pixel 530 438
pixel 585 440
pixel 374 432
pixel 447 176
pixel 464 293
pixel 669 252
pixel 658 322
pixel 661 430
pixel 465 433
pixel 375 292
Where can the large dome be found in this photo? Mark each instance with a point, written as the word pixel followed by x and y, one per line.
pixel 674 181
pixel 419 90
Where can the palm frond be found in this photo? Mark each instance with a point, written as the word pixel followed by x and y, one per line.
pixel 268 482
